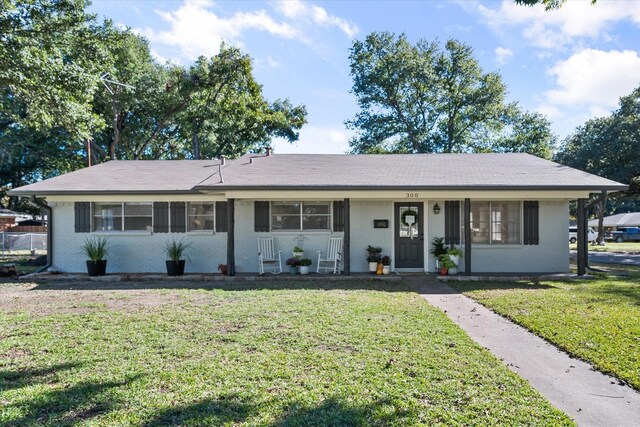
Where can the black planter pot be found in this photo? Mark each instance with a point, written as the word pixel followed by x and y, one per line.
pixel 175 268
pixel 97 268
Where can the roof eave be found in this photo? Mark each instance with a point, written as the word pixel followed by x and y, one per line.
pixel 25 193
pixel 591 188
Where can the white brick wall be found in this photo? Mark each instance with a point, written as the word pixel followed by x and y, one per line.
pixel 143 253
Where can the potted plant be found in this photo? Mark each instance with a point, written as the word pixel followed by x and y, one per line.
pixel 223 269
pixel 304 265
pixel 293 265
pixel 175 250
pixel 438 249
pixel 298 252
pixel 386 264
pixel 455 254
pixel 445 264
pixel 373 257
pixel 96 250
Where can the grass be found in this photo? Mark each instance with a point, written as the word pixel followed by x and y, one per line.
pixel 336 354
pixel 624 247
pixel 595 320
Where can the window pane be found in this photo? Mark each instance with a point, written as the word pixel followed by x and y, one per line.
pixel 200 216
pixel 285 208
pixel 505 222
pixel 319 222
pixel 285 222
pixel 137 209
pixel 317 208
pixel 408 230
pixel 200 209
pixel 137 223
pixel 107 216
pixel 479 222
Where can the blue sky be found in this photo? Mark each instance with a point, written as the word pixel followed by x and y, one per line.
pixel 571 64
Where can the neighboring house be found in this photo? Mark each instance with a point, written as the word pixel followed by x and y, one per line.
pixel 619 220
pixel 517 207
pixel 7 219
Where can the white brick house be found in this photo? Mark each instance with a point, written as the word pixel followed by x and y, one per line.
pixel 514 208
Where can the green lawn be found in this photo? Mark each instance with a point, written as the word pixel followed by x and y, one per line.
pixel 624 247
pixel 595 320
pixel 341 354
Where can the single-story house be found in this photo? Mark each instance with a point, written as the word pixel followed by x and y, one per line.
pixel 631 219
pixel 509 212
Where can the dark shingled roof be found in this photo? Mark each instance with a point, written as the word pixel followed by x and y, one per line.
pixel 507 171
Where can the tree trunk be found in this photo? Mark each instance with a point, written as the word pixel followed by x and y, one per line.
pixel 196 146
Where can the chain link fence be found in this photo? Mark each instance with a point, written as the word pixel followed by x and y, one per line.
pixel 23 242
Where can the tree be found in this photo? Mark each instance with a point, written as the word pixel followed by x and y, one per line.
pixel 610 147
pixel 50 60
pixel 430 98
pixel 526 132
pixel 548 4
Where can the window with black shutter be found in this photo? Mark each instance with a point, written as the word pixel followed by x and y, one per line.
pixel 222 222
pixel 338 215
pixel 261 216
pixel 178 217
pixel 531 222
pixel 82 217
pixel 452 222
pixel 161 217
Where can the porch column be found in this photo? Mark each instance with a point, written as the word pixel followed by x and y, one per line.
pixel 231 227
pixel 347 239
pixel 467 237
pixel 582 238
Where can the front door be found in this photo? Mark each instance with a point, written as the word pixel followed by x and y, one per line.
pixel 409 235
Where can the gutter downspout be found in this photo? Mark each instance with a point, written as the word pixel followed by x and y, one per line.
pixel 49 240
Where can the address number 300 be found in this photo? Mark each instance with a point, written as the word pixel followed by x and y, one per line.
pixel 412 195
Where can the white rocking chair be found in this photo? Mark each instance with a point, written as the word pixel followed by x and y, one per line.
pixel 268 258
pixel 330 261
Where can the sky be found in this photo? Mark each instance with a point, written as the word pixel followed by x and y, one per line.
pixel 571 64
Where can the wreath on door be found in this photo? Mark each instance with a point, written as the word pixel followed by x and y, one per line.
pixel 408 212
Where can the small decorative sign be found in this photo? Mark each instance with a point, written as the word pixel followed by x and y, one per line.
pixel 410 219
pixel 380 223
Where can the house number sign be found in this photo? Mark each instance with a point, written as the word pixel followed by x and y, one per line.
pixel 412 195
pixel 380 223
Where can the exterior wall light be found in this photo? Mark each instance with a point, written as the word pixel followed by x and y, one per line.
pixel 436 209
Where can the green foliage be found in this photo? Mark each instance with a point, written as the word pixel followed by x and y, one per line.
pixel 548 4
pixel 446 261
pixel 438 247
pixel 610 147
pixel 455 251
pixel 292 354
pixel 594 320
pixel 176 249
pixel 96 248
pixel 305 262
pixel 373 253
pixel 432 98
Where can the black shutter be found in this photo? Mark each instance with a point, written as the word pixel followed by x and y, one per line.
pixel 261 217
pixel 531 227
pixel 338 215
pixel 221 217
pixel 83 217
pixel 160 217
pixel 452 222
pixel 178 219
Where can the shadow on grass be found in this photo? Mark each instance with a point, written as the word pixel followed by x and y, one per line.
pixel 69 405
pixel 25 377
pixel 331 412
pixel 318 284
pixel 463 286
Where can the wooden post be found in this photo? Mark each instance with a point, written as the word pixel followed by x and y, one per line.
pixel 347 239
pixel 231 257
pixel 582 237
pixel 467 237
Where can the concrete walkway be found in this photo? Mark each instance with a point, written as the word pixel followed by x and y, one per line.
pixel 609 258
pixel 589 397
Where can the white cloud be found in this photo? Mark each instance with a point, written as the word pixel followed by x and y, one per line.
pixel 316 140
pixel 594 79
pixel 196 30
pixel 502 54
pixel 297 10
pixel 559 28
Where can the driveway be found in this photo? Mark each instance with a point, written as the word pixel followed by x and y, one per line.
pixel 610 258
